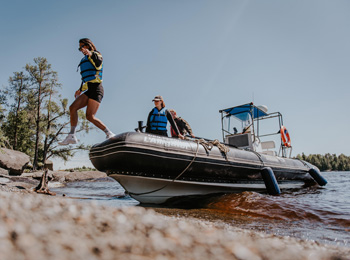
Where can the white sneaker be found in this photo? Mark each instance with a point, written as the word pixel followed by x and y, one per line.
pixel 70 139
pixel 109 135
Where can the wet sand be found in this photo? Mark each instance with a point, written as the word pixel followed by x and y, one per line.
pixel 34 226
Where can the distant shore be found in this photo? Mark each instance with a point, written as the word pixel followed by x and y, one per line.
pixel 35 226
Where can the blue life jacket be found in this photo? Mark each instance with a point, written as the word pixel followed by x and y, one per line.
pixel 88 70
pixel 158 119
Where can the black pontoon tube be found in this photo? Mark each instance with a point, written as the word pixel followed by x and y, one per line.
pixel 270 181
pixel 316 175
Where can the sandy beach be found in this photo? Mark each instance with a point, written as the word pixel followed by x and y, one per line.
pixel 36 226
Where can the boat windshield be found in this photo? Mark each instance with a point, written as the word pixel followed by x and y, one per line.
pixel 244 126
pixel 236 125
pixel 240 119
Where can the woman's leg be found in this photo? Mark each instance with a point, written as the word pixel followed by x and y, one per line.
pixel 91 110
pixel 79 102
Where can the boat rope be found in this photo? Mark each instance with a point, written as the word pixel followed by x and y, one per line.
pixel 207 146
pixel 304 163
pixel 259 156
pixel 223 148
pixel 178 176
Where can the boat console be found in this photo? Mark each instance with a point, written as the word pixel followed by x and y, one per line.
pixel 239 140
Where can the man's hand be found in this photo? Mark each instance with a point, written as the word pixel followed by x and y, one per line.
pixel 181 136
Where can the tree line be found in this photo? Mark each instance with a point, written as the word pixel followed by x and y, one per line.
pixel 33 115
pixel 327 162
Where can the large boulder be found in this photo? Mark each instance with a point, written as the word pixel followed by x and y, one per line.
pixel 12 160
pixel 4 171
pixel 63 176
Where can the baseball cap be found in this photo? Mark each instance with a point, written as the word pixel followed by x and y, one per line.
pixel 157 98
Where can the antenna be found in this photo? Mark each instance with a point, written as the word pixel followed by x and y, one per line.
pixel 253 97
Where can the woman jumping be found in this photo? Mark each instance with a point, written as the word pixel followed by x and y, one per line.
pixel 90 93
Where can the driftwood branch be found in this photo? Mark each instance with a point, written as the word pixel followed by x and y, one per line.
pixel 43 185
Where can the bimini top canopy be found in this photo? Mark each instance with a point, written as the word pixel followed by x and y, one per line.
pixel 241 112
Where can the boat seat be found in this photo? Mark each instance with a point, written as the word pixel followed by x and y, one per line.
pixel 266 146
pixel 273 153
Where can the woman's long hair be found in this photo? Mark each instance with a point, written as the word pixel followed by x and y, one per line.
pixel 88 43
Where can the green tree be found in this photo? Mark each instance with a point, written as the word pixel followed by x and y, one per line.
pixel 24 137
pixel 328 162
pixel 51 113
pixel 343 163
pixel 334 162
pixel 18 90
pixel 3 139
pixel 43 80
pixel 17 127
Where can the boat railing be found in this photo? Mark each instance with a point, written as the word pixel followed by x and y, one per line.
pixel 284 151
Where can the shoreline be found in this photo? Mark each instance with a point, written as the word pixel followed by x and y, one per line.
pixel 36 226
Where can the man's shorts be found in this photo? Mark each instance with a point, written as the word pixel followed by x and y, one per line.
pixel 95 91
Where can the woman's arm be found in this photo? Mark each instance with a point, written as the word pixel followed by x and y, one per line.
pixel 97 59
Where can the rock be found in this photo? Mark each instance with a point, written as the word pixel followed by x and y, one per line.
pixel 4 180
pixel 66 176
pixel 21 185
pixel 4 171
pixel 12 160
pixel 62 176
pixel 85 175
pixel 48 165
pixel 22 179
pixel 36 175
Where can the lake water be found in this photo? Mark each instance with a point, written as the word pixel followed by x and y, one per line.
pixel 320 214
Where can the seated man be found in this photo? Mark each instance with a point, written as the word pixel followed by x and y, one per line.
pixel 182 125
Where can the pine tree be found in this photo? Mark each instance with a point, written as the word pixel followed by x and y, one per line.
pixel 16 126
pixel 40 75
pixel 51 114
pixel 3 139
pixel 17 90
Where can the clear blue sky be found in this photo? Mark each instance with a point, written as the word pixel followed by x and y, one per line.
pixel 292 56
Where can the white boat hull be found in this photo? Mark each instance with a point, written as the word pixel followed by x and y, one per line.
pixel 157 191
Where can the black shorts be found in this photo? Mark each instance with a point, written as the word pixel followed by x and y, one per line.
pixel 95 91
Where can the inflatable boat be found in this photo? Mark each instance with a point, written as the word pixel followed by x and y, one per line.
pixel 156 169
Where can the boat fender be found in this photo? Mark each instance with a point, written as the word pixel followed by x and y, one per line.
pixel 316 175
pixel 270 181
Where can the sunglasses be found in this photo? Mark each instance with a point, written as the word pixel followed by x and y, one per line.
pixel 81 47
